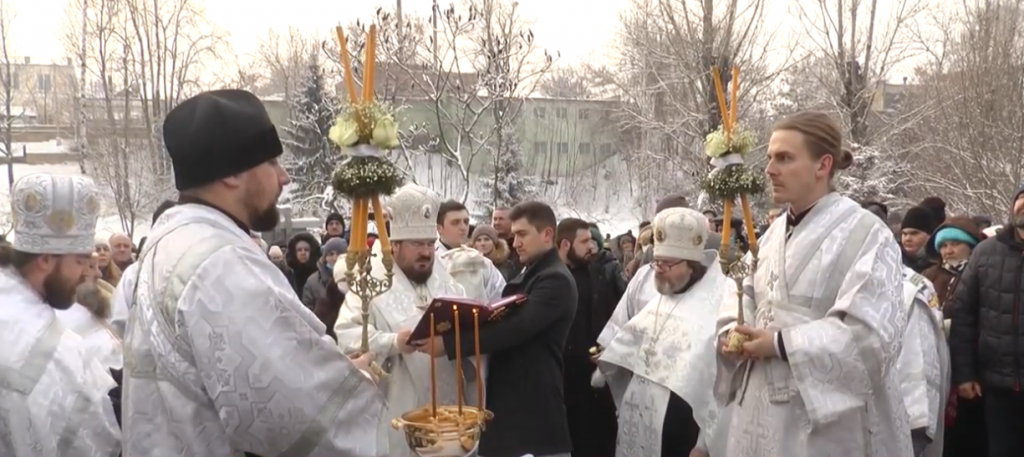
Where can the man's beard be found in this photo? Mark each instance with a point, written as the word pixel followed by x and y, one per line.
pixel 1018 221
pixel 58 292
pixel 418 276
pixel 265 220
pixel 668 287
pixel 579 260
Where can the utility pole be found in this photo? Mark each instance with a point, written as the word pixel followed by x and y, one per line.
pixel 433 20
pixel 81 139
pixel 398 16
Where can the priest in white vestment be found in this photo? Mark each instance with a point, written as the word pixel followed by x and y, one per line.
pixel 53 393
pixel 394 314
pixel 923 365
pixel 661 365
pixel 119 303
pixel 221 357
pixel 824 313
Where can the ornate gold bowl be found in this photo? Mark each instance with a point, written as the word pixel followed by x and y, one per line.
pixel 449 435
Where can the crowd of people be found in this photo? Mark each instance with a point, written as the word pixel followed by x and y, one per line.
pixel 850 336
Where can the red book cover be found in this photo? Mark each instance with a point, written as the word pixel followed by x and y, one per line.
pixel 443 309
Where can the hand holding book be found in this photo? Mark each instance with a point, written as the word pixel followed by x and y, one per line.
pixel 443 309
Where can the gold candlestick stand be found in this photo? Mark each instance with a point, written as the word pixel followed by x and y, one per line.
pixel 447 430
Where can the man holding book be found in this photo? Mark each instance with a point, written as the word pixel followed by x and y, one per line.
pixel 395 313
pixel 524 379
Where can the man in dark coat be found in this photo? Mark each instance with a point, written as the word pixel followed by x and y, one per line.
pixel 591 412
pixel 986 340
pixel 524 379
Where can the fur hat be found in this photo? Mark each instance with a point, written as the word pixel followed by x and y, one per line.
pixel 485 230
pixel 414 213
pixel 937 207
pixel 55 214
pixel 680 233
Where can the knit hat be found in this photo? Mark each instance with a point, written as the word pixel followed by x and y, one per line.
pixel 218 134
pixel 334 246
pixel 937 207
pixel 484 230
pixel 920 218
pixel 1020 190
pixel 956 228
pixel 275 250
pixel 334 217
pixel 680 233
pixel 55 214
pixel 867 204
pixel 671 201
pixel 595 233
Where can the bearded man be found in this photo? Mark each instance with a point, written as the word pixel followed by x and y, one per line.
pixel 53 395
pixel 394 314
pixel 221 357
pixel 590 411
pixel 660 365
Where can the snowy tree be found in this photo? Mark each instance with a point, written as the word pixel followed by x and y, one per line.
pixel 877 174
pixel 507 184
pixel 311 156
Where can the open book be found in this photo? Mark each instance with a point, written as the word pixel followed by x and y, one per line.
pixel 443 309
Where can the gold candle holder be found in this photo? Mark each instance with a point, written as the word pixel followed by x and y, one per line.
pixel 447 430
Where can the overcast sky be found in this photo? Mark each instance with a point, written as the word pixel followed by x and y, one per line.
pixel 576 28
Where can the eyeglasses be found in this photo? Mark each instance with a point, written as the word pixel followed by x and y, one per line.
pixel 665 264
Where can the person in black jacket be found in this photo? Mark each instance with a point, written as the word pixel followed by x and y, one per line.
pixel 986 340
pixel 590 411
pixel 524 379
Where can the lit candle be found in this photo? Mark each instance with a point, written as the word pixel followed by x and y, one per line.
pixel 433 371
pixel 359 223
pixel 382 227
pixel 748 221
pixel 458 358
pixel 479 362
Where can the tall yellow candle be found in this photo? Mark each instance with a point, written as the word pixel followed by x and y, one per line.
pixel 726 229
pixel 734 101
pixel 723 108
pixel 479 362
pixel 433 372
pixel 346 65
pixel 370 65
pixel 748 222
pixel 458 358
pixel 382 227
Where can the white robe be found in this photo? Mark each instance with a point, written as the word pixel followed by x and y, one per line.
pixel 97 337
pixel 221 356
pixel 924 362
pixel 668 347
pixel 834 292
pixel 639 293
pixel 494 282
pixel 119 302
pixel 408 385
pixel 53 394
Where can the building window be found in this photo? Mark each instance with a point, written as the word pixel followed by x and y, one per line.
pixel 583 114
pixel 584 148
pixel 563 148
pixel 606 149
pixel 561 113
pixel 540 148
pixel 43 82
pixel 540 112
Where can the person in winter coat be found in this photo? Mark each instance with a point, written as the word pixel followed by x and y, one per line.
pixel 334 227
pixel 486 240
pixel 605 266
pixel 302 257
pixel 953 243
pixel 986 339
pixel 316 285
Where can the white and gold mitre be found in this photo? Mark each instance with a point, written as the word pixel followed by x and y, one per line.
pixel 55 214
pixel 680 233
pixel 414 213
